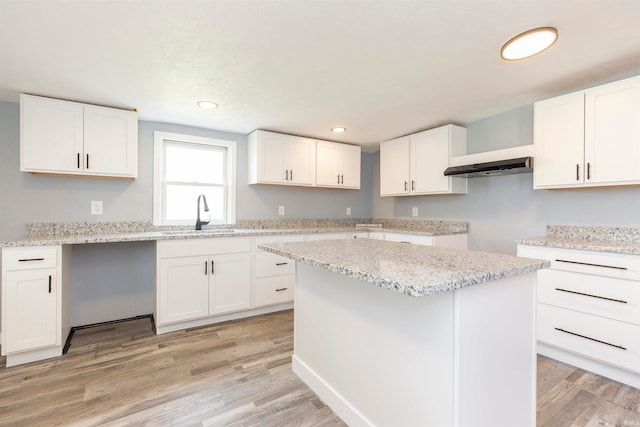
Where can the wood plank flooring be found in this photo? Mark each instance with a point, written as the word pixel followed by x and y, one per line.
pixel 233 374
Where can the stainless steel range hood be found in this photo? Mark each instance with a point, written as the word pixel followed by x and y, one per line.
pixel 499 162
pixel 500 167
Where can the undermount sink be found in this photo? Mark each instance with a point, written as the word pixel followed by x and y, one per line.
pixel 214 232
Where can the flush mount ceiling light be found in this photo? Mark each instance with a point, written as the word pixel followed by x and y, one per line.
pixel 338 129
pixel 529 43
pixel 207 105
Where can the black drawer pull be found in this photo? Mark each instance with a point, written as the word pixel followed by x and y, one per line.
pixel 592 296
pixel 281 289
pixel 49 283
pixel 282 263
pixel 30 259
pixel 592 265
pixel 589 338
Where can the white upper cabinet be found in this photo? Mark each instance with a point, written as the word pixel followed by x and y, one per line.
pixel 69 138
pixel 415 164
pixel 338 165
pixel 276 158
pixel 589 138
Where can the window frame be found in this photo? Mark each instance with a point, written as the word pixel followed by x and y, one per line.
pixel 159 139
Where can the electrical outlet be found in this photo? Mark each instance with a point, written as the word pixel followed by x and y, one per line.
pixel 96 207
pixel 280 210
pixel 414 211
pixel 348 211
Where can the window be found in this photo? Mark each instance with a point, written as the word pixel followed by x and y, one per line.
pixel 186 166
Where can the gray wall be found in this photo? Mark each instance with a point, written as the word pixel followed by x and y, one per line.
pixel 112 281
pixel 501 209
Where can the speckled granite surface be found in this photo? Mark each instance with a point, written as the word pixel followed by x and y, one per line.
pixel 43 234
pixel 619 240
pixel 413 270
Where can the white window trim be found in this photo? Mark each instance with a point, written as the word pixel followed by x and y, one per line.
pixel 158 165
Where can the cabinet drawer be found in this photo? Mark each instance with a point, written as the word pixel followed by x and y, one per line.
pixel 27 258
pixel 616 299
pixel 409 238
pixel 268 264
pixel 274 290
pixel 610 341
pixel 199 247
pixel 278 238
pixel 587 262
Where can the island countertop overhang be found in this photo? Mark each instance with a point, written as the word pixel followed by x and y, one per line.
pixel 414 270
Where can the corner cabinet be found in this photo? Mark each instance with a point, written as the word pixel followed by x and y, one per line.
pixel 33 324
pixel 414 165
pixel 337 165
pixel 589 138
pixel 70 138
pixel 276 158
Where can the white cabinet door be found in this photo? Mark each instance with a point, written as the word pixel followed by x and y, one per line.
pixel 612 132
pixel 301 160
pixel 338 165
pixel 183 286
pixel 229 283
pixel 30 320
pixel 51 135
pixel 394 167
pixel 559 141
pixel 110 141
pixel 272 156
pixel 429 158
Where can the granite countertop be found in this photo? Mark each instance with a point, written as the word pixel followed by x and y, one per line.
pixel 413 270
pixel 618 240
pixel 45 234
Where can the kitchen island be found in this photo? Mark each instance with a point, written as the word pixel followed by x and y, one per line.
pixel 390 334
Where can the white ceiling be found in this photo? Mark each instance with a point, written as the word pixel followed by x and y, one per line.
pixel 381 68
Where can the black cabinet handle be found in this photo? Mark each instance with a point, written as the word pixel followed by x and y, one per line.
pixel 589 338
pixel 49 283
pixel 338 178
pixel 206 264
pixel 281 289
pixel 212 267
pixel 78 160
pixel 413 185
pixel 577 172
pixel 592 296
pixel 342 179
pixel 282 263
pixel 590 264
pixel 30 259
pixel 588 170
pixel 291 175
pixel 87 161
pixel 405 186
pixel 286 174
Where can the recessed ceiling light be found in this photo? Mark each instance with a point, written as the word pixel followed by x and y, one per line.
pixel 208 105
pixel 338 129
pixel 529 43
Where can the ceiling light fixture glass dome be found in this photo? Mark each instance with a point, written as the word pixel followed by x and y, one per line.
pixel 529 43
pixel 207 105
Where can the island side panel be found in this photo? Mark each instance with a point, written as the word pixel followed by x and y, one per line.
pixel 495 353
pixel 376 357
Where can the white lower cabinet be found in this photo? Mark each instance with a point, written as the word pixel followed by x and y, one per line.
pixel 588 310
pixel 274 276
pixel 452 241
pixel 202 277
pixel 32 321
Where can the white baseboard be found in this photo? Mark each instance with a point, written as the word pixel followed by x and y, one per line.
pixel 328 395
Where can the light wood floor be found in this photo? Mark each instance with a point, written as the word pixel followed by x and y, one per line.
pixel 233 374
